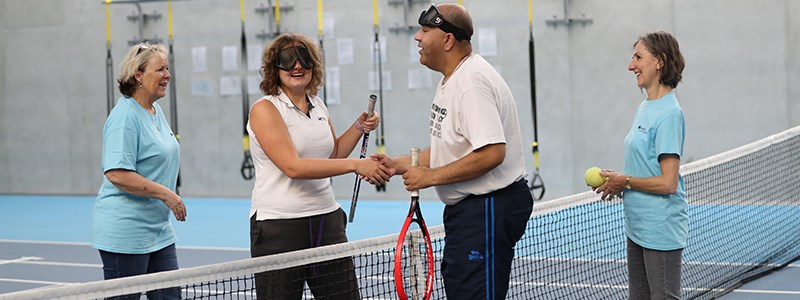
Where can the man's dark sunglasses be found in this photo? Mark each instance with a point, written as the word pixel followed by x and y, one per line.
pixel 287 57
pixel 432 18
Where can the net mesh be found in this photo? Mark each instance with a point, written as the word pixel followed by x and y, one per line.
pixel 743 208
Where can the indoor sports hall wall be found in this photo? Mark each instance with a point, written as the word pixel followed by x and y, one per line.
pixel 741 83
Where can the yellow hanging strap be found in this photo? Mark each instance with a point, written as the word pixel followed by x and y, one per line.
pixel 108 23
pixel 278 14
pixel 530 13
pixel 169 31
pixel 241 8
pixel 375 13
pixel 319 18
pixel 109 62
pixel 169 18
pixel 379 140
pixel 535 144
pixel 245 136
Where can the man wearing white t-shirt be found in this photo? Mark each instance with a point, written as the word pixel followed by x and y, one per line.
pixel 474 160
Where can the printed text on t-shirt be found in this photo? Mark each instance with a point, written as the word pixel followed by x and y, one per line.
pixel 437 116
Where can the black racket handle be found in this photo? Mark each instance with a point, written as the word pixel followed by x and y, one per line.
pixel 364 145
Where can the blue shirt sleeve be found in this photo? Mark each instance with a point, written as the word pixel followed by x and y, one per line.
pixel 670 135
pixel 120 145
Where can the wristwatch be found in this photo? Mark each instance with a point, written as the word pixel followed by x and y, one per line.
pixel 628 182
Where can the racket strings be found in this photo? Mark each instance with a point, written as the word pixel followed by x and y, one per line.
pixel 416 263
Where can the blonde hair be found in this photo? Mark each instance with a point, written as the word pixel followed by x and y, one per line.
pixel 136 60
pixel 271 81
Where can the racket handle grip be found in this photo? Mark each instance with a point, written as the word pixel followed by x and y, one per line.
pixel 371 106
pixel 414 163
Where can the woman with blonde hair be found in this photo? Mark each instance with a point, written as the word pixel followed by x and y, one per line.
pixel 130 218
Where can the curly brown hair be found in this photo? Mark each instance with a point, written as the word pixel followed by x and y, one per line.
pixel 271 81
pixel 665 48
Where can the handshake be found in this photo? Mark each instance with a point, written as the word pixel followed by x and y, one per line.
pixel 379 168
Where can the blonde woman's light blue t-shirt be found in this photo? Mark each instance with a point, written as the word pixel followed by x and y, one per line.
pixel 135 140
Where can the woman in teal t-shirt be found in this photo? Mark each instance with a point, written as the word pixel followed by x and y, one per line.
pixel 130 219
pixel 656 218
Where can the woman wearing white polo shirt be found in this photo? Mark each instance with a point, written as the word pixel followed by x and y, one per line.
pixel 295 150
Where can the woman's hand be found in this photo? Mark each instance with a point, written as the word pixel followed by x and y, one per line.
pixel 373 171
pixel 614 185
pixel 384 159
pixel 367 124
pixel 175 203
pixel 135 184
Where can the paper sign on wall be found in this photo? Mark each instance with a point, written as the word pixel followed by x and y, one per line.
pixel 199 63
pixel 229 58
pixel 487 42
pixel 345 51
pixel 332 87
pixel 230 85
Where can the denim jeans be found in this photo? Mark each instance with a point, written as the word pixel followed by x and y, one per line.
pixel 118 265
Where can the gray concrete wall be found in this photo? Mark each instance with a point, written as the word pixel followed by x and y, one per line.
pixel 740 83
pixel 5 175
pixel 793 60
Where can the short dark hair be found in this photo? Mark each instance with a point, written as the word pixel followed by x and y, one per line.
pixel 270 80
pixel 665 48
pixel 458 15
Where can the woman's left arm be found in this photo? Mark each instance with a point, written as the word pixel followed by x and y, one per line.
pixel 665 184
pixel 343 145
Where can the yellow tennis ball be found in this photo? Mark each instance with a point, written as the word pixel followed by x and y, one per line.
pixel 593 178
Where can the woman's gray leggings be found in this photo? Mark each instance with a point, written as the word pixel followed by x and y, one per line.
pixel 653 274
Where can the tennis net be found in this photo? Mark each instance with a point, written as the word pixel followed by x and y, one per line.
pixel 743 208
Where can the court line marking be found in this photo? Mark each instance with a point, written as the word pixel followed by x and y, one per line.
pixel 43 242
pixel 583 285
pixel 33 281
pixel 89 245
pixel 52 263
pixel 767 292
pixel 234 249
pixel 19 260
pixel 623 261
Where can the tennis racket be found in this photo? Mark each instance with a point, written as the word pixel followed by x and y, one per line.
pixel 364 144
pixel 412 250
